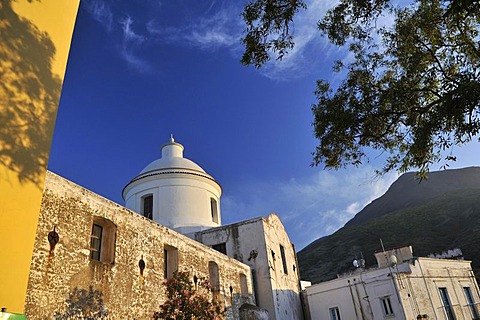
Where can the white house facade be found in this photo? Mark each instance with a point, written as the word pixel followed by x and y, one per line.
pixel 403 287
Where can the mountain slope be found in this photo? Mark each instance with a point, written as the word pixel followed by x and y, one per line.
pixel 407 191
pixel 442 219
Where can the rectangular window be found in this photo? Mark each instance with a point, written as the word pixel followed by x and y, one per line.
pixel 148 206
pixel 471 302
pixel 170 255
pixel 214 210
pixel 284 260
pixel 102 240
pixel 221 247
pixel 243 284
pixel 446 304
pixel 96 242
pixel 387 306
pixel 334 313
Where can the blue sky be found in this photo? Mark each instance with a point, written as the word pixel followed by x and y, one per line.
pixel 139 71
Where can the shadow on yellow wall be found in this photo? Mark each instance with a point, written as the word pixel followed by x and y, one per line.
pixel 29 93
pixel 34 42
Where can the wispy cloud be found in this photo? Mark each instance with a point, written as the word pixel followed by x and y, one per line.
pixel 128 33
pixel 309 207
pixel 130 43
pixel 219 30
pixel 100 11
pixel 120 27
pixel 310 46
pixel 218 26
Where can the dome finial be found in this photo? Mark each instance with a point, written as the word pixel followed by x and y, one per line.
pixel 171 138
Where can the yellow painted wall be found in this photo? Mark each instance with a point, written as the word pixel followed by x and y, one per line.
pixel 35 40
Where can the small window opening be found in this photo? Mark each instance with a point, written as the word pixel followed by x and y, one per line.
pixel 213 276
pixel 471 302
pixel 214 210
pixel 446 304
pixel 147 202
pixel 387 306
pixel 243 284
pixel 334 313
pixel 221 247
pixel 170 261
pixel 102 240
pixel 284 259
pixel 96 242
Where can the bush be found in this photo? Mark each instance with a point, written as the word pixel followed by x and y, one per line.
pixel 187 300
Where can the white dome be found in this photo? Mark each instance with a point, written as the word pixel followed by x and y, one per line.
pixel 176 192
pixel 172 163
pixel 172 158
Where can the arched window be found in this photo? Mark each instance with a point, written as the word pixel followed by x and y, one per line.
pixel 170 262
pixel 243 284
pixel 213 276
pixel 147 206
pixel 102 240
pixel 214 210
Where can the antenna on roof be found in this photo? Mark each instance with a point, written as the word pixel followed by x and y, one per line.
pixel 359 263
pixel 384 253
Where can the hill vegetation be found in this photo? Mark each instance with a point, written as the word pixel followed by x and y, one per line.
pixel 440 215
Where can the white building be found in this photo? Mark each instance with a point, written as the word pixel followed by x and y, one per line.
pixel 263 244
pixel 402 287
pixel 178 193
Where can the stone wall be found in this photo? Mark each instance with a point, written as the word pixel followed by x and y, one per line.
pixel 127 294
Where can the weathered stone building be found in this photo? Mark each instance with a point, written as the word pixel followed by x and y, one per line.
pixel 263 244
pixel 126 239
pixel 172 222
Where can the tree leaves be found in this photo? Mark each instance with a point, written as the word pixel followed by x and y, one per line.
pixel 412 90
pixel 268 29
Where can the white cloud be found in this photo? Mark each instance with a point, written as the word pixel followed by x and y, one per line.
pixel 311 48
pixel 219 30
pixel 100 11
pixel 128 33
pixel 310 45
pixel 209 32
pixel 353 208
pixel 223 29
pixel 218 27
pixel 309 207
pixel 130 43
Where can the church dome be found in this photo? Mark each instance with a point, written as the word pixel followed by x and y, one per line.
pixel 172 158
pixel 176 192
pixel 172 163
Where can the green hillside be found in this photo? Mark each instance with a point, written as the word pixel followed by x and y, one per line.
pixel 443 222
pixel 407 191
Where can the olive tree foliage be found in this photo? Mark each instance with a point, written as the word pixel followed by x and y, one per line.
pixel 412 89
